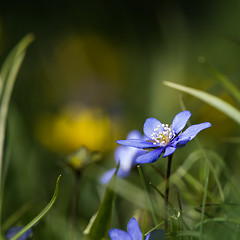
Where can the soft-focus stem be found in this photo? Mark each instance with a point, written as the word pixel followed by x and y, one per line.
pixel 167 191
pixel 75 199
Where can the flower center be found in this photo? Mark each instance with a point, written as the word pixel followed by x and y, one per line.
pixel 164 137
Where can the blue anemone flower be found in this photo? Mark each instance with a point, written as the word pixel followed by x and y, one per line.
pixel 14 230
pixel 134 232
pixel 162 138
pixel 126 157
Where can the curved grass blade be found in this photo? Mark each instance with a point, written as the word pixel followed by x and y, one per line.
pixel 41 214
pixel 216 102
pixel 225 81
pixel 8 76
pixel 8 64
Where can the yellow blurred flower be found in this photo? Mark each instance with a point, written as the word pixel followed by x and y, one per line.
pixel 70 129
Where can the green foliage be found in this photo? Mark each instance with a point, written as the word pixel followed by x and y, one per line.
pixel 8 74
pixel 125 77
pixel 216 102
pixel 100 222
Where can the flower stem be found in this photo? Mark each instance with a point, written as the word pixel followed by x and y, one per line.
pixel 147 193
pixel 75 199
pixel 167 191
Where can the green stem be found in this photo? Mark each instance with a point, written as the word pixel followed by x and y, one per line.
pixel 75 202
pixel 167 191
pixel 147 193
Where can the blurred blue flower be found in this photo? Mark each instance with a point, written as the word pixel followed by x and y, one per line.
pixel 14 230
pixel 164 138
pixel 126 156
pixel 134 232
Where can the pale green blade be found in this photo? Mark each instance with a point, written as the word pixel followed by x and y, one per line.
pixel 216 102
pixel 99 224
pixel 11 58
pixel 8 76
pixel 41 214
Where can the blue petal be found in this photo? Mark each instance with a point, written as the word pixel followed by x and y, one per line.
pixel 180 142
pixel 126 156
pixel 168 151
pixel 136 143
pixel 149 126
pixel 180 121
pixel 157 234
pixel 14 230
pixel 134 134
pixel 134 229
pixel 193 130
pixel 117 234
pixel 106 177
pixel 150 157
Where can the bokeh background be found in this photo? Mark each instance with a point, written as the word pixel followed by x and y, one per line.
pixel 95 72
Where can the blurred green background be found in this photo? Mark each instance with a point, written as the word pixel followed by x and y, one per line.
pixel 95 72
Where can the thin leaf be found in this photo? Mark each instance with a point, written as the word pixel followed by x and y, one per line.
pixel 8 76
pixel 100 223
pixel 12 56
pixel 216 102
pixel 41 214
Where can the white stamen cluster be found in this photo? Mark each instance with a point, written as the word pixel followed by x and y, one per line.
pixel 164 137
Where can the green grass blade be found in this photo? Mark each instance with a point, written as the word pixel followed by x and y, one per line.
pixel 100 224
pixel 41 214
pixel 9 62
pixel 225 81
pixel 216 102
pixel 8 76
